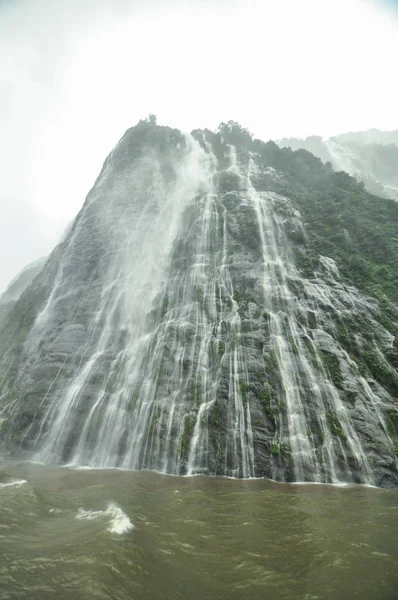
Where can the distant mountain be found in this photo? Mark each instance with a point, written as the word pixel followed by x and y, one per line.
pixel 371 136
pixel 370 156
pixel 18 285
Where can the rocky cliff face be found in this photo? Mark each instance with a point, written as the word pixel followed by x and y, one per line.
pixel 190 323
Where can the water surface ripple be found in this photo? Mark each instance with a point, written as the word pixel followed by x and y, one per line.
pixel 111 534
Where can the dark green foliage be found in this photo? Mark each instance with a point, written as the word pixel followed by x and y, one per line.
pixel 197 394
pixel 150 120
pixel 332 365
pixel 356 229
pixel 189 425
pixel 275 449
pixel 381 371
pixel 392 354
pixel 281 449
pixel 335 426
pixel 155 420
pixel 266 402
pixel 214 420
pixel 344 335
pixel 221 348
pixel 342 220
pixel 216 416
pixel 235 134
pixel 4 426
pixel 392 416
pixel 305 261
pixel 137 140
pixel 316 431
pixel 249 234
pixel 243 391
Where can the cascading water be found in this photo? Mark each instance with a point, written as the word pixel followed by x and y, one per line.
pixel 344 159
pixel 178 334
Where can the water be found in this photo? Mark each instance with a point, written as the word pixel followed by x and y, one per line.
pixel 345 159
pixel 111 534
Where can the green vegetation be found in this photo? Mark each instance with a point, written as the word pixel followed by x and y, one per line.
pixel 266 400
pixel 392 416
pixel 316 431
pixel 155 420
pixel 221 348
pixel 343 221
pixel 189 424
pixel 281 449
pixel 358 230
pixel 236 135
pixel 335 426
pixel 4 425
pixel 243 386
pixel 381 370
pixel 332 365
pixel 197 394
pixel 275 449
pixel 216 416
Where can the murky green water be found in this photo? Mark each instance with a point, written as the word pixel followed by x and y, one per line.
pixel 68 534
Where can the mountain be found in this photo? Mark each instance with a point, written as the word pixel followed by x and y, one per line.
pixel 220 305
pixel 371 156
pixel 371 136
pixel 18 285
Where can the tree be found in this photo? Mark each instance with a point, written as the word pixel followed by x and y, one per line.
pixel 149 120
pixel 235 134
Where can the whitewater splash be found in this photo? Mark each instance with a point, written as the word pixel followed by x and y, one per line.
pixel 118 521
pixel 181 337
pixel 11 484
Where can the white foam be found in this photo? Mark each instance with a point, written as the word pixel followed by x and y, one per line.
pixel 87 515
pixel 16 483
pixel 119 522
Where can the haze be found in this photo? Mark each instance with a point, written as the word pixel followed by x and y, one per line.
pixel 75 74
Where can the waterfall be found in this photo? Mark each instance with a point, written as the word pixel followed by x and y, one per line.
pixel 344 159
pixel 180 335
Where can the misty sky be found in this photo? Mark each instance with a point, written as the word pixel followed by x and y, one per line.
pixel 75 74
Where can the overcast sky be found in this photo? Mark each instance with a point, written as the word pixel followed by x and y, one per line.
pixel 75 74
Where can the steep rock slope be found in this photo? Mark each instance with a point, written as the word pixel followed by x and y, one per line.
pixel 217 307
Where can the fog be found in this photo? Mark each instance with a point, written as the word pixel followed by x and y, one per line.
pixel 75 74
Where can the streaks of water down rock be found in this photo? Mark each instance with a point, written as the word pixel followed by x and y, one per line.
pixel 192 350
